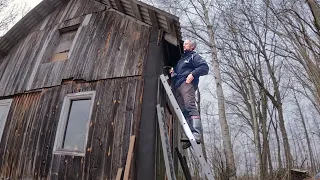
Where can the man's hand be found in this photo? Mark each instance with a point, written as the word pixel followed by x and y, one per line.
pixel 171 70
pixel 189 78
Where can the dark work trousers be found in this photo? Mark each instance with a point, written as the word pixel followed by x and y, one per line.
pixel 185 95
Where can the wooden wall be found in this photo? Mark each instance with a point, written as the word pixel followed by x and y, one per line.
pixel 107 45
pixel 28 139
pixel 112 54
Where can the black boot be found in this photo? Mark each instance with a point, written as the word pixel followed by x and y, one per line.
pixel 197 129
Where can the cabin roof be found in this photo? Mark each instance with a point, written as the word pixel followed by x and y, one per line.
pixel 138 10
pixel 147 14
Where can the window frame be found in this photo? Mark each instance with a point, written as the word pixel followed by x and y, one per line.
pixel 5 102
pixel 61 32
pixel 63 122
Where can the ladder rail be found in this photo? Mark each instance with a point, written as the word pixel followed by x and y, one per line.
pixel 195 146
pixel 166 150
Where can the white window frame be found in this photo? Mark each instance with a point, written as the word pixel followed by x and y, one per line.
pixel 5 102
pixel 62 126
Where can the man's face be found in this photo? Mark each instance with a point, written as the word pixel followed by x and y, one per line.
pixel 187 46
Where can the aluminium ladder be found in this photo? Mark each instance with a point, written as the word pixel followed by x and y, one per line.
pixel 196 147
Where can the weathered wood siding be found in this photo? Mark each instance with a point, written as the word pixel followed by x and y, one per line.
pixel 107 45
pixel 28 139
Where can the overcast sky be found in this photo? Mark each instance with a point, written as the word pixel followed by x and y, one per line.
pixel 31 3
pixel 21 7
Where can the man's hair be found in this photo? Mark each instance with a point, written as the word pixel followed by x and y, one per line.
pixel 193 43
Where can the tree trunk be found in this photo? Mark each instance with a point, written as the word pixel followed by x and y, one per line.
pixel 269 159
pixel 315 9
pixel 231 169
pixel 265 146
pixel 284 138
pixel 278 145
pixel 255 130
pixel 263 120
pixel 278 104
pixel 313 169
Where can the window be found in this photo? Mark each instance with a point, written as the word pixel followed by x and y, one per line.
pixel 72 132
pixel 4 110
pixel 61 52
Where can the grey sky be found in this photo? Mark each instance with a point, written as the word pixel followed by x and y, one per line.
pixel 31 3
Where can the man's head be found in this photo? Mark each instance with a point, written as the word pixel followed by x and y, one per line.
pixel 189 45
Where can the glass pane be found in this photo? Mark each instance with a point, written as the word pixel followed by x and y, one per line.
pixel 76 126
pixel 3 110
pixel 3 114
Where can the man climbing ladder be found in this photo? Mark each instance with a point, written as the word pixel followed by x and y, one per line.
pixel 186 79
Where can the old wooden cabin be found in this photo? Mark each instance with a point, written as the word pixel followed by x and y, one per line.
pixel 78 78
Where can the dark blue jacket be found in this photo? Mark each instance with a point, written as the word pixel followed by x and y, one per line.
pixel 190 62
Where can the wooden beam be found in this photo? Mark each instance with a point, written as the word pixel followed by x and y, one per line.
pixel 171 27
pixel 10 39
pixel 119 6
pixel 153 18
pixel 2 53
pixel 135 10
pixel 171 39
pixel 106 2
pixel 36 15
pixel 157 10
pixel 24 29
pixel 48 5
pixel 160 37
pixel 129 158
pixel 119 174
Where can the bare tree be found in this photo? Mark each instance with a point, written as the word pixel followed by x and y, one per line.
pixel 303 34
pixel 10 12
pixel 313 169
pixel 262 53
pixel 199 25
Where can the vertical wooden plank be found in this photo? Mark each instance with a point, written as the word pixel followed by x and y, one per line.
pixel 53 35
pixel 63 166
pixel 48 132
pixel 135 10
pixel 153 18
pixel 119 6
pixel 55 165
pixel 138 53
pixel 99 148
pixel 129 158
pixel 119 174
pixel 115 49
pixel 123 50
pixel 28 119
pixel 121 143
pixel 171 26
pixel 107 45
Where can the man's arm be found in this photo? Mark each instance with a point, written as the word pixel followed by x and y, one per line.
pixel 201 66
